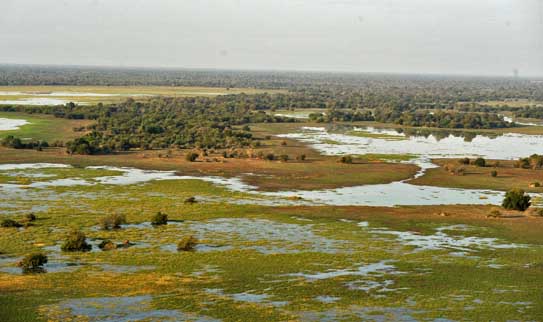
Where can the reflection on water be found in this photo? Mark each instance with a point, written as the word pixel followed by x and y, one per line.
pixel 422 142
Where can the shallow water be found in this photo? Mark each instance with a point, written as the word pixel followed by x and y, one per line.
pixel 11 124
pixel 440 240
pixel 392 194
pixel 118 309
pixel 506 146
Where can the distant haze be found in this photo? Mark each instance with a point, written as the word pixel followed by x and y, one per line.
pixel 474 37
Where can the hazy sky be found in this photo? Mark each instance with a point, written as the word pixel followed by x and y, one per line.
pixel 485 37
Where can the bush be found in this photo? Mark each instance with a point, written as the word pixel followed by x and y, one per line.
pixel 283 157
pixel 456 170
pixel 284 143
pixel 75 242
pixel 33 262
pixel 494 173
pixel 464 161
pixel 191 157
pixel 479 162
pixel 187 244
pixel 159 219
pixel 10 223
pixel 516 199
pixel 269 157
pixel 494 213
pixel 107 244
pixel 300 157
pixel 30 217
pixel 346 159
pixel 536 212
pixel 113 221
pixel 190 200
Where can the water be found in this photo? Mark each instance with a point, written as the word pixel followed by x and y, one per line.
pixel 11 124
pixel 392 194
pixel 507 146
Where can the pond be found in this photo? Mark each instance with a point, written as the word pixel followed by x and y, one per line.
pixel 11 124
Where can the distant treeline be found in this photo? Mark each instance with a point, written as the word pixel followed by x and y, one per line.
pixel 346 89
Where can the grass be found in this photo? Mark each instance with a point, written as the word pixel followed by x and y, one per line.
pixel 44 127
pixel 508 177
pixel 424 284
pixel 429 284
pixel 122 92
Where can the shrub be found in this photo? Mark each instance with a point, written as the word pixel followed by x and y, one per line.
pixel 300 157
pixel 107 244
pixel 284 143
pixel 269 157
pixel 159 219
pixel 346 159
pixel 30 217
pixel 494 173
pixel 33 262
pixel 113 221
pixel 535 185
pixel 464 161
pixel 187 244
pixel 455 169
pixel 516 199
pixel 75 242
pixel 494 213
pixel 191 156
pixel 283 157
pixel 536 212
pixel 190 200
pixel 479 162
pixel 10 223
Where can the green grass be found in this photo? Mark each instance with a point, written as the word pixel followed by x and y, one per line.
pixel 121 92
pixel 432 283
pixel 43 127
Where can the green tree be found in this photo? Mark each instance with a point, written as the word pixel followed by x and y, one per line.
pixel 516 199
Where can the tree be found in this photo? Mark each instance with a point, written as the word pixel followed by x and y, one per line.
pixel 516 199
pixel 479 162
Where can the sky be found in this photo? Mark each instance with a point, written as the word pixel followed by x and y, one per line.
pixel 470 37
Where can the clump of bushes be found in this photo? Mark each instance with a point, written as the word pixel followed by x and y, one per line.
pixel 516 199
pixel 479 162
pixel 113 221
pixel 33 263
pixel 187 244
pixel 456 170
pixel 346 159
pixel 159 219
pixel 10 223
pixel 191 156
pixel 493 173
pixel 75 242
